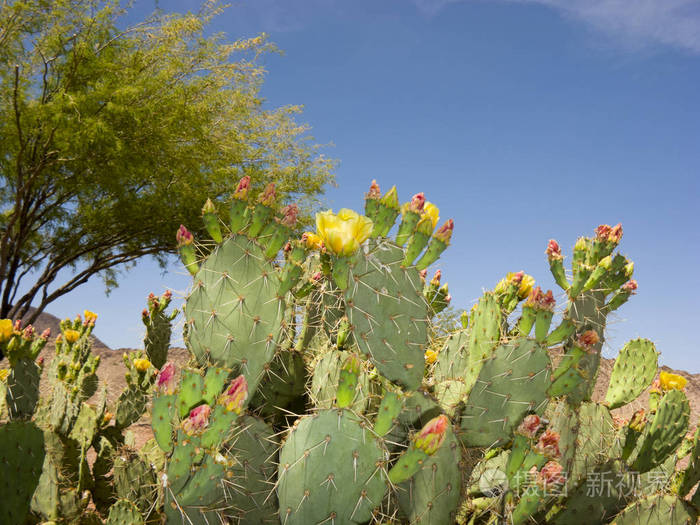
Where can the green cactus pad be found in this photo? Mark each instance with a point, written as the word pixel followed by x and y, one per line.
pixel 330 468
pixel 389 410
pixel 691 475
pixel 162 416
pixel 22 393
pixel 665 433
pixel 124 512
pixel 596 441
pixel 281 392
pixel 214 381
pixel 484 335
pixel 325 378
pixel 388 313
pixel 633 372
pixel 432 495
pixel 512 382
pixel 191 392
pixel 234 315
pixel 657 510
pixel 451 370
pixel 134 480
pixel 21 460
pixel 249 493
pixel 185 455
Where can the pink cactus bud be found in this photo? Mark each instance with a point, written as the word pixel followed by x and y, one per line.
pixel 287 247
pixel 167 295
pixel 423 274
pixel 374 191
pixel 551 474
pixel 540 300
pixel 40 361
pixel 268 196
pixel 18 325
pixel 198 420
pixel 587 340
pixel 435 281
pixel 530 425
pixel 241 192
pixel 46 334
pixel 145 315
pixel 165 382
pixel 615 233
pixel 417 203
pixel 553 250
pixel 289 215
pixel 235 396
pixel 548 444
pixel 630 286
pixel 448 298
pixel 28 333
pixel 183 236
pixel 316 277
pixel 602 232
pixel 517 277
pixel 444 232
pixel 431 436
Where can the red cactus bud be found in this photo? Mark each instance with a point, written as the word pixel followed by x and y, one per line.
pixel 18 325
pixel 165 382
pixel 423 274
pixel 268 196
pixel 28 333
pixel 40 361
pixel 529 426
pixel 235 396
pixel 374 191
pixel 541 301
pixel 289 215
pixel 548 444
pixel 553 250
pixel 198 420
pixel 444 232
pixel 145 314
pixel 615 233
pixel 417 202
pixel 435 281
pixel 183 236
pixel 167 295
pixel 602 232
pixel 46 334
pixel 551 474
pixel 432 435
pixel 241 192
pixel 630 286
pixel 587 340
pixel 287 247
pixel 316 277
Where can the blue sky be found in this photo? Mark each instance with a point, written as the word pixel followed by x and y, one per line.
pixel 523 120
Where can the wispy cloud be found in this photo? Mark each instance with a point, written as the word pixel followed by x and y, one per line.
pixel 636 22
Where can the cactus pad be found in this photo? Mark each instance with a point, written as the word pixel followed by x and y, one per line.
pixel 512 382
pixel 388 313
pixel 657 510
pixel 633 372
pixel 233 313
pixel 330 468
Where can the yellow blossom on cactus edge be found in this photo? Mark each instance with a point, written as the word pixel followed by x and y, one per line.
pixel 672 381
pixel 433 212
pixel 343 233
pixel 71 335
pixel 90 316
pixel 312 241
pixel 430 356
pixel 142 364
pixel 6 330
pixel 526 286
pixel 4 372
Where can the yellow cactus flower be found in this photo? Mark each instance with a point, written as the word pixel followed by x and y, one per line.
pixel 71 335
pixel 312 241
pixel 142 364
pixel 430 356
pixel 672 381
pixel 90 317
pixel 433 212
pixel 526 286
pixel 343 233
pixel 4 372
pixel 6 330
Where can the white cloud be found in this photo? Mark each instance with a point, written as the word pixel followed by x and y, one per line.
pixel 638 22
